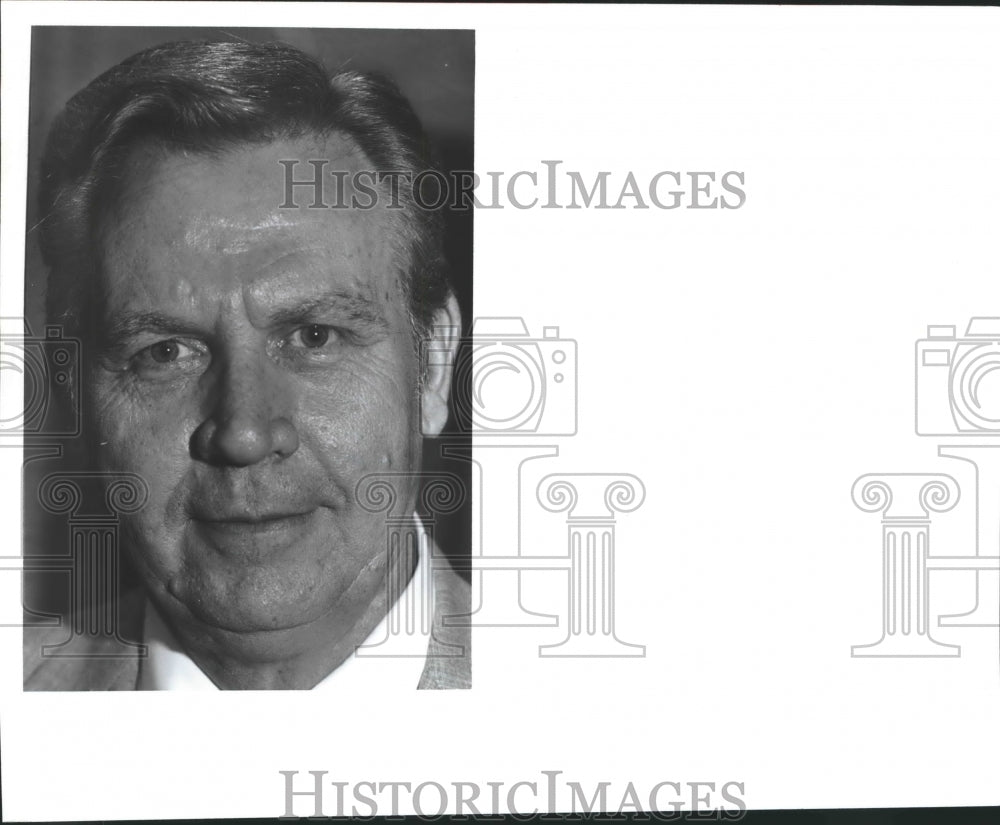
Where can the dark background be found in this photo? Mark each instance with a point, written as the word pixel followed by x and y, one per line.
pixel 435 69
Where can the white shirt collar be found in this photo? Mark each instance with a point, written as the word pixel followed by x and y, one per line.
pixel 391 657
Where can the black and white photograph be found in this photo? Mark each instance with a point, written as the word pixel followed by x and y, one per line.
pixel 534 410
pixel 240 380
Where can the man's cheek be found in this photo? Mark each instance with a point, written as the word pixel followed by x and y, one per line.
pixel 141 438
pixel 362 421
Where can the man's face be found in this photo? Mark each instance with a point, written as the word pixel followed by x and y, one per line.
pixel 257 363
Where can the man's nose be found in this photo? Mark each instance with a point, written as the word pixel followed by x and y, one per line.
pixel 249 415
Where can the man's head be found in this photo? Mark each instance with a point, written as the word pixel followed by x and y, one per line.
pixel 206 98
pixel 251 362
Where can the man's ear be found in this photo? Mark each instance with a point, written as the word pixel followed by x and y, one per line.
pixel 438 355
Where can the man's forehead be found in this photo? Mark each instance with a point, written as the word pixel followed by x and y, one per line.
pixel 190 224
pixel 246 185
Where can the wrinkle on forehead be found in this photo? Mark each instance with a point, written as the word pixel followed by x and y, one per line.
pixel 230 236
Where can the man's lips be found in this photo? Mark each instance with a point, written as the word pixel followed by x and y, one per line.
pixel 248 518
pixel 281 527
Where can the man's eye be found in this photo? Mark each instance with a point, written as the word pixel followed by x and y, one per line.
pixel 165 355
pixel 314 336
pixel 165 351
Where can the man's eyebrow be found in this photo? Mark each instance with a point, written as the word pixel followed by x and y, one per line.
pixel 126 326
pixel 349 306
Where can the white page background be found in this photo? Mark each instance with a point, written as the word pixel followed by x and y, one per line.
pixel 747 365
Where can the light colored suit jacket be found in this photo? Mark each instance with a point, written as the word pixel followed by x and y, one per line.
pixel 98 663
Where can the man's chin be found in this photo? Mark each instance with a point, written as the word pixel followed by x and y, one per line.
pixel 250 616
pixel 252 635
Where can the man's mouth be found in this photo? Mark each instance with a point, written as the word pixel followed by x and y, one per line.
pixel 231 531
